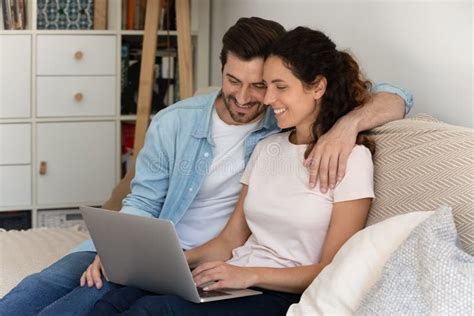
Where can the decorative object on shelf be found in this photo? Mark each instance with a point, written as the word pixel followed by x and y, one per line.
pixel 65 14
pixel 13 14
pixel 163 81
pixel 124 62
pixel 64 218
pixel 129 95
pixel 127 134
pixel 15 220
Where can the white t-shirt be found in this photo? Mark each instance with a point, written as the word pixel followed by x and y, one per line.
pixel 219 192
pixel 288 220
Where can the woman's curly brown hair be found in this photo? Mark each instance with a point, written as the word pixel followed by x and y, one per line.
pixel 310 55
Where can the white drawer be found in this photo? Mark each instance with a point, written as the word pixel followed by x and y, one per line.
pixel 75 96
pixel 15 144
pixel 76 55
pixel 15 185
pixel 15 76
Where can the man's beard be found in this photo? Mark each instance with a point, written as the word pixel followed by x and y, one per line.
pixel 242 118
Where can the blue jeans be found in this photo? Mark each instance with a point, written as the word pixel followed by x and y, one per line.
pixel 55 290
pixel 133 301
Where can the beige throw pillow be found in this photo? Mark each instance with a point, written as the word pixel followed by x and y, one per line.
pixel 25 252
pixel 421 163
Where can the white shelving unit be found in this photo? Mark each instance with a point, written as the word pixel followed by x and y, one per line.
pixel 60 121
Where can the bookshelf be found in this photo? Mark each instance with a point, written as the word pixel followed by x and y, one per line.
pixel 60 117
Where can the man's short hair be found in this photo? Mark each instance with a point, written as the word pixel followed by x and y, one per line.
pixel 249 38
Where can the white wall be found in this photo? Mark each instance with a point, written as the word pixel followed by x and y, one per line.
pixel 423 46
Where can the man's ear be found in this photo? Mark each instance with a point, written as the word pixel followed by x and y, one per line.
pixel 320 84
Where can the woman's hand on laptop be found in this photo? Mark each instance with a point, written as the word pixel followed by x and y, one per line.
pixel 93 275
pixel 224 275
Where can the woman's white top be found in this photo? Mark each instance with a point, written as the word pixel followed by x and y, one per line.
pixel 288 220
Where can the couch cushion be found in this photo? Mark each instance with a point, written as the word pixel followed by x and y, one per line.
pixel 421 163
pixel 25 252
pixel 427 275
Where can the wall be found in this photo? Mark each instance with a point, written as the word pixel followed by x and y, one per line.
pixel 423 46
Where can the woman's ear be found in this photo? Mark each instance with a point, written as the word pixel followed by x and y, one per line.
pixel 319 87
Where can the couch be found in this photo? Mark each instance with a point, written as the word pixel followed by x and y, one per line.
pixel 420 163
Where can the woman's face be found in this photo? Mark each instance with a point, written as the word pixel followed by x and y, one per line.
pixel 293 105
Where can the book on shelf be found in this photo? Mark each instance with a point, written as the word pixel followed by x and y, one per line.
pixel 168 16
pixel 176 95
pixel 130 14
pixel 133 15
pixel 100 14
pixel 2 27
pixel 13 14
pixel 124 15
pixel 139 18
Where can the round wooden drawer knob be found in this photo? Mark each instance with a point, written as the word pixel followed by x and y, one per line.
pixel 78 55
pixel 78 97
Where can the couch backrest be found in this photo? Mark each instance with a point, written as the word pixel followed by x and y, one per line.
pixel 422 163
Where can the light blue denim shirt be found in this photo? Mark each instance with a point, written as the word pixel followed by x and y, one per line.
pixel 178 153
pixel 405 95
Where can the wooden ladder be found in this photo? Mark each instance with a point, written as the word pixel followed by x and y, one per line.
pixel 145 88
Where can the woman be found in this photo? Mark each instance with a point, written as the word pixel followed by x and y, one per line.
pixel 282 233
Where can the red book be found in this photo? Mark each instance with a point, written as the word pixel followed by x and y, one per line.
pixel 130 14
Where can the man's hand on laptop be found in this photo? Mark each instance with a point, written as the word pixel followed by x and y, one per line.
pixel 224 275
pixel 93 275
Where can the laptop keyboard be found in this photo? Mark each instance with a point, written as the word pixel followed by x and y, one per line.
pixel 206 294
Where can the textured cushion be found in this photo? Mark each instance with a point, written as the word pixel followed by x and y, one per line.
pixel 427 275
pixel 420 164
pixel 25 252
pixel 341 286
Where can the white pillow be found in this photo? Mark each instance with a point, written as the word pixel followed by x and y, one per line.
pixel 356 267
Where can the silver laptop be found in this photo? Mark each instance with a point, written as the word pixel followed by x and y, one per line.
pixel 145 253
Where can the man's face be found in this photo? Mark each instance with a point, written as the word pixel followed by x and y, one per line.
pixel 242 90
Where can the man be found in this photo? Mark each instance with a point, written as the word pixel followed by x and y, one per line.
pixel 190 166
